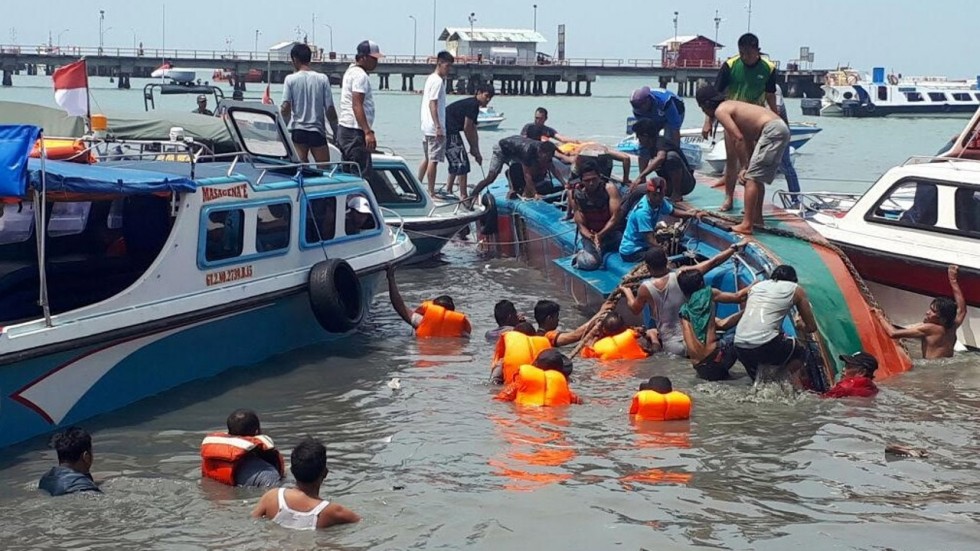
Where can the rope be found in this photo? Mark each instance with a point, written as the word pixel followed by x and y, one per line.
pixel 518 242
pixel 632 279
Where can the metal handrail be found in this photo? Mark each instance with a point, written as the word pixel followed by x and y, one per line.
pixel 923 159
pixel 401 219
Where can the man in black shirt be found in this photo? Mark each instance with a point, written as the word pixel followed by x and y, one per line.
pixel 461 117
pixel 539 130
pixel 535 158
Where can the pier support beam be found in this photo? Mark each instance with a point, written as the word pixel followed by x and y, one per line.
pixel 8 78
pixel 578 87
pixel 122 81
pixel 588 88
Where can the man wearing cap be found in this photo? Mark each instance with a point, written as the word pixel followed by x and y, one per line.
pixel 667 160
pixel 664 108
pixel 202 106
pixel 307 107
pixel 543 383
pixel 355 132
pixel 858 377
pixel 433 115
pixel 359 215
pixel 641 222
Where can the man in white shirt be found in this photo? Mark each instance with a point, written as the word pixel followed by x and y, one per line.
pixel 355 133
pixel 307 106
pixel 433 114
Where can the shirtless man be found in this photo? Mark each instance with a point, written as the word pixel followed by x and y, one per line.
pixel 937 332
pixel 746 123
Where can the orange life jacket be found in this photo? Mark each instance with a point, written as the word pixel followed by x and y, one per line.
pixel 221 454
pixel 63 149
pixel 517 349
pixel 439 322
pixel 653 406
pixel 623 346
pixel 537 387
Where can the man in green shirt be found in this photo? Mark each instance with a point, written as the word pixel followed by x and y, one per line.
pixel 746 77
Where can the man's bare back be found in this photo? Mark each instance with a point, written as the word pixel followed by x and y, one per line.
pixel 749 119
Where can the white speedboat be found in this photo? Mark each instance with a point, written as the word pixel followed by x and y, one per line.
pixel 165 268
pixel 178 75
pixel 489 119
pixel 904 231
pixel 847 94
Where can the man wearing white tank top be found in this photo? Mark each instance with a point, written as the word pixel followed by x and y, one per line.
pixel 301 508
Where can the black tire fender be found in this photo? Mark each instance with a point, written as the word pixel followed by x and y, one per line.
pixel 489 219
pixel 335 295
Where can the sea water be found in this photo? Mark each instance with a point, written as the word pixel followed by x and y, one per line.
pixel 434 462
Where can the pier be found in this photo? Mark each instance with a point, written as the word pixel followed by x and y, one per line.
pixel 572 76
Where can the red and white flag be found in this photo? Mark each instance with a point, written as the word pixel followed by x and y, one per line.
pixel 267 95
pixel 71 88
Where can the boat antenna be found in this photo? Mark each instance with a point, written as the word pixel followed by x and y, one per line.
pixel 748 27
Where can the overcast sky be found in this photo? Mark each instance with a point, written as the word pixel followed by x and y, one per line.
pixel 907 36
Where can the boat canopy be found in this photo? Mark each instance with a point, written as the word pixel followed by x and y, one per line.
pixel 68 177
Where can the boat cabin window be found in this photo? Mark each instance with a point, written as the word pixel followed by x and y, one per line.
pixel 359 216
pixel 961 96
pixel 913 96
pixel 16 222
pixel 883 93
pixel 321 220
pixel 393 186
pixel 977 95
pixel 968 210
pixel 272 227
pixel 937 96
pixel 259 133
pixel 909 204
pixel 226 234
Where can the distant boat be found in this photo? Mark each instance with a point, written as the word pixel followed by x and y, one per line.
pixel 489 119
pixel 847 94
pixel 175 74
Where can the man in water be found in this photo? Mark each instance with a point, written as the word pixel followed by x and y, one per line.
pixel 664 109
pixel 73 473
pixel 302 508
pixel 596 213
pixel 433 116
pixel 641 222
pixel 664 296
pixel 461 116
pixel 355 131
pixel 525 392
pixel 746 123
pixel 759 339
pixel 538 130
pixel 711 357
pixel 440 321
pixel 858 377
pixel 937 332
pixel 307 107
pixel 546 314
pixel 202 106
pixel 506 316
pixel 249 455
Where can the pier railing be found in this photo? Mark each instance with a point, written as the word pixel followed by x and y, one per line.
pixel 47 50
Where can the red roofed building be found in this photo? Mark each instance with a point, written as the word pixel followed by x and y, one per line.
pixel 689 51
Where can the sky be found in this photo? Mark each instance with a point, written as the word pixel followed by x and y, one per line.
pixel 912 37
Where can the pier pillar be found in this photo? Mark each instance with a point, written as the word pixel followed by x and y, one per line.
pixel 48 70
pixel 568 89
pixel 122 82
pixel 664 81
pixel 411 83
pixel 8 78
pixel 588 88
pixel 578 87
pixel 404 83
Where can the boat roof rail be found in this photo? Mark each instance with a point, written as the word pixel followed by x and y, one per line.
pixel 924 159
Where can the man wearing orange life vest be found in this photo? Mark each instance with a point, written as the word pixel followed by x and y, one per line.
pixel 243 456
pixel 619 342
pixel 435 318
pixel 506 316
pixel 543 383
pixel 514 349
pixel 546 314
pixel 658 401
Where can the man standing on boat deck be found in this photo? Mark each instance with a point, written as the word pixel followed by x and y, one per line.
pixel 355 132
pixel 665 109
pixel 937 332
pixel 461 116
pixel 433 114
pixel 746 77
pixel 307 107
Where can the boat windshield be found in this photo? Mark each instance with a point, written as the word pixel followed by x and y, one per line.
pixel 259 133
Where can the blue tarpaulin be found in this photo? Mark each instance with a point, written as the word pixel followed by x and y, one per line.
pixel 71 177
pixel 16 141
